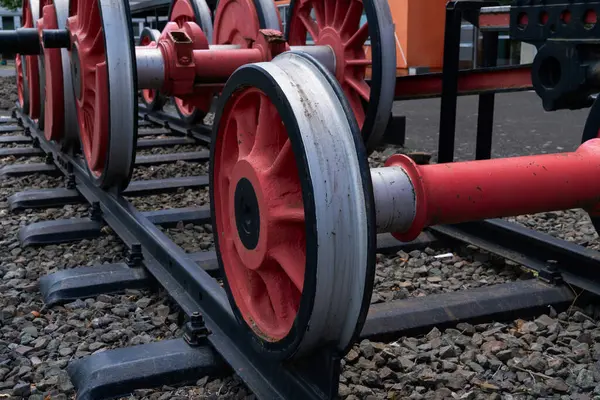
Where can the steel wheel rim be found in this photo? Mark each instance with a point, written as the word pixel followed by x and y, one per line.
pixel 344 33
pixel 317 296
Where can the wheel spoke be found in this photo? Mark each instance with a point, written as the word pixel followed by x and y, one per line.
pixel 352 18
pixel 246 127
pixel 359 62
pixel 310 25
pixel 284 296
pixel 359 38
pixel 284 160
pixel 230 151
pixel 292 214
pixel 292 261
pixel 89 17
pixel 338 13
pixel 270 134
pixel 356 104
pixel 329 6
pixel 97 43
pixel 254 291
pixel 319 12
pixel 360 86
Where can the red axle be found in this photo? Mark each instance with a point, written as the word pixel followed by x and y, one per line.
pixel 220 64
pixel 475 190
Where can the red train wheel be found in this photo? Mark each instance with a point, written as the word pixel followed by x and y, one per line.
pixel 256 14
pixel 54 107
pixel 29 18
pixel 197 11
pixel 105 87
pixel 349 27
pixel 22 89
pixel 285 170
pixel 151 97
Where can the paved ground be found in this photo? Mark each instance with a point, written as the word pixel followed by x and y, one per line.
pixel 8 69
pixel 7 72
pixel 521 126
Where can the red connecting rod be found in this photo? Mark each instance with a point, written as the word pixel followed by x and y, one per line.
pixel 475 190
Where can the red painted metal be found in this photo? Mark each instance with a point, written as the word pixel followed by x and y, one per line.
pixel 20 80
pixel 475 190
pixel 148 94
pixel 337 24
pixel 227 27
pixel 92 106
pixel 499 20
pixel 182 11
pixel 32 68
pixel 267 281
pixel 180 68
pixel 470 82
pixel 220 64
pixel 54 107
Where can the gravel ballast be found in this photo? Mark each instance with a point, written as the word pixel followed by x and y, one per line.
pixel 555 355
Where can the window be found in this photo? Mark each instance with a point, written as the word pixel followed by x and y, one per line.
pixel 283 12
pixel 8 23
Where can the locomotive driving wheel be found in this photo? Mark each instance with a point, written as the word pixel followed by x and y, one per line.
pixel 289 182
pixel 104 80
pixel 362 36
pixel 60 122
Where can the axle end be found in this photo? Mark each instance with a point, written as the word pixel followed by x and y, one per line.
pixel 56 39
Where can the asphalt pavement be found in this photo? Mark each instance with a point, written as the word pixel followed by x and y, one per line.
pixel 521 126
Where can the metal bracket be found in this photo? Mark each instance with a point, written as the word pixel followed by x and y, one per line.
pixel 135 257
pixel 550 274
pixel 195 330
pixel 96 212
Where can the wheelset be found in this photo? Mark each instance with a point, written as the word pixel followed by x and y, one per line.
pixel 104 80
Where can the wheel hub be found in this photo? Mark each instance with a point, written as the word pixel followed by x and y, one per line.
pixel 330 37
pixel 246 202
pixel 247 213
